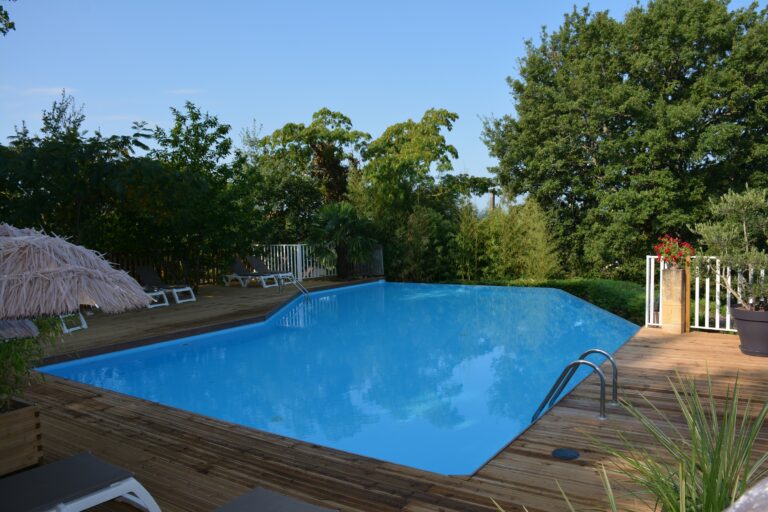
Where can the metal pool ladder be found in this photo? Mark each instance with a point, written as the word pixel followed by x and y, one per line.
pixel 565 377
pixel 300 287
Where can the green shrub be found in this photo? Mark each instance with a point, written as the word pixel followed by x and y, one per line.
pixel 470 255
pixel 518 244
pixel 425 244
pixel 704 467
pixel 19 356
pixel 621 298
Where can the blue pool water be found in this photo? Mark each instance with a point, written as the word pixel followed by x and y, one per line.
pixel 438 377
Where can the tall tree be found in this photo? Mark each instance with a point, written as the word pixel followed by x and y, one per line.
pixel 402 174
pixel 197 142
pixel 62 179
pixel 401 163
pixel 196 148
pixel 326 150
pixel 624 128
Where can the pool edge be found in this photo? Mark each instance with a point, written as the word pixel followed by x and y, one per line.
pixel 196 331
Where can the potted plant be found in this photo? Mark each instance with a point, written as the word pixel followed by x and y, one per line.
pixel 676 255
pixel 20 444
pixel 42 277
pixel 735 241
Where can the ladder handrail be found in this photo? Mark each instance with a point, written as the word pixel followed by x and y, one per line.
pixel 562 381
pixel 615 375
pixel 300 287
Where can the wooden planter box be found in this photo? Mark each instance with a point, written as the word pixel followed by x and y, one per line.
pixel 675 310
pixel 20 437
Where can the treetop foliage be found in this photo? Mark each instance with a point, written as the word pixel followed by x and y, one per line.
pixel 196 143
pixel 6 25
pixel 182 195
pixel 624 129
pixel 325 150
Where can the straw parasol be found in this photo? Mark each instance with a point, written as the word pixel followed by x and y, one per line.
pixel 8 230
pixel 18 329
pixel 44 275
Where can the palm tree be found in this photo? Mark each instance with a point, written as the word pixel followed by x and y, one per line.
pixel 345 235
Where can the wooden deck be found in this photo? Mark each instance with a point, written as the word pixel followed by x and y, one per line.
pixel 193 463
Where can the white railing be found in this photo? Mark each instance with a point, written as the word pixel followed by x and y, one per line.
pixel 707 315
pixel 303 261
pixel 375 267
pixel 711 309
pixel 653 291
pixel 307 313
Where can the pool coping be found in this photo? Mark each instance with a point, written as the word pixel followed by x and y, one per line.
pixel 184 333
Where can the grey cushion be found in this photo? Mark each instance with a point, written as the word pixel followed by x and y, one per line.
pixel 46 486
pixel 754 500
pixel 264 500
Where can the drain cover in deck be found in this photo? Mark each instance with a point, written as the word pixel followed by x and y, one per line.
pixel 565 454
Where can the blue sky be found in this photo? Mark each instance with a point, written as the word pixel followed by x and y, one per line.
pixel 271 63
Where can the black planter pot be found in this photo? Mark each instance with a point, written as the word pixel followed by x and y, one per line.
pixel 753 331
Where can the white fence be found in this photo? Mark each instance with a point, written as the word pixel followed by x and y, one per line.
pixel 711 308
pixel 709 315
pixel 653 291
pixel 309 312
pixel 303 261
pixel 300 259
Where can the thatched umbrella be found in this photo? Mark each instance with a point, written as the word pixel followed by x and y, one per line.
pixel 8 230
pixel 18 329
pixel 43 275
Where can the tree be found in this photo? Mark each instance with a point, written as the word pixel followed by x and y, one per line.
pixel 625 128
pixel 196 144
pixel 325 150
pixel 737 236
pixel 204 222
pixel 6 25
pixel 281 204
pixel 425 243
pixel 180 206
pixel 62 180
pixel 399 164
pixel 518 243
pixel 401 174
pixel 348 235
pixel 470 244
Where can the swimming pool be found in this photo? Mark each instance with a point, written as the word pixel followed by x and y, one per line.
pixel 437 377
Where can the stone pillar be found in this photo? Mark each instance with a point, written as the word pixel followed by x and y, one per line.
pixel 674 303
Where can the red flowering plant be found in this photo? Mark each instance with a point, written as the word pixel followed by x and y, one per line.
pixel 672 250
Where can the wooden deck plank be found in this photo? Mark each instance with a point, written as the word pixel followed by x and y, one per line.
pixel 194 463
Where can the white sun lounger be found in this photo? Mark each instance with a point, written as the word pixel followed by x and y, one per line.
pixel 68 327
pixel 261 268
pixel 71 485
pixel 159 299
pixel 244 277
pixel 153 284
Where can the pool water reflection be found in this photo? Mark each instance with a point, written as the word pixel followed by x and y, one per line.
pixel 438 377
